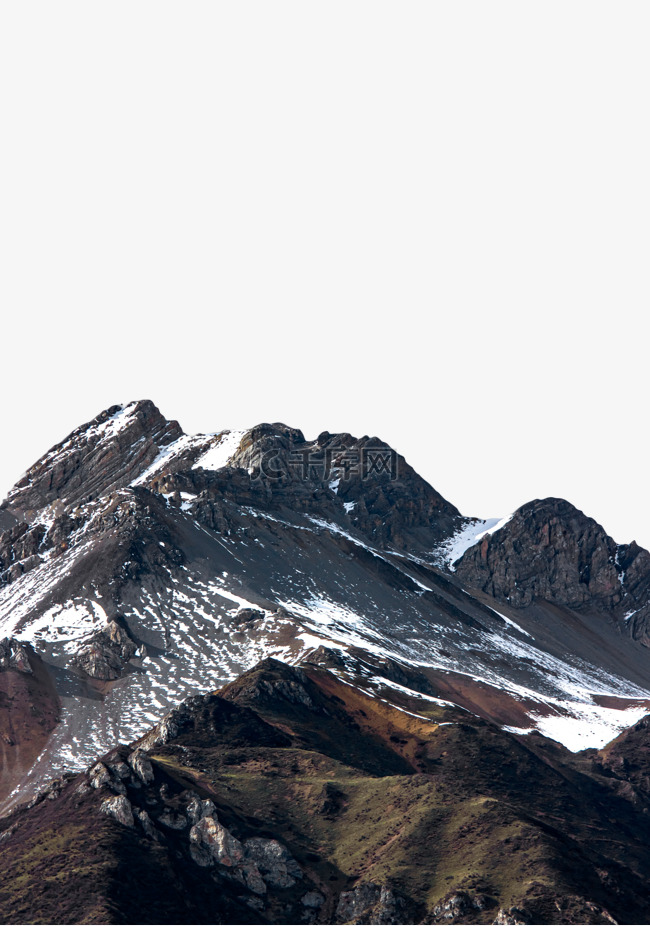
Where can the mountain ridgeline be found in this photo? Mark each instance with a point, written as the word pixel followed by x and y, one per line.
pixel 249 677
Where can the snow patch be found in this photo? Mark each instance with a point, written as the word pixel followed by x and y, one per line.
pixel 588 727
pixel 450 551
pixel 221 451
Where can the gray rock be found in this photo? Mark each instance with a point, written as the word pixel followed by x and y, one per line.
pixel 99 776
pixel 105 656
pixel 513 916
pixel 257 862
pixel 141 766
pixel 211 842
pixel 456 906
pixel 371 903
pixel 120 770
pixel 198 809
pixel 313 900
pixel 277 866
pixel 119 807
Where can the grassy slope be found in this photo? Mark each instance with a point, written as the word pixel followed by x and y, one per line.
pixel 360 792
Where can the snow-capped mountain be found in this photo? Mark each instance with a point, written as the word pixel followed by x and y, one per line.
pixel 140 566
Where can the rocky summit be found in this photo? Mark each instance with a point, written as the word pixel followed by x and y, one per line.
pixel 251 677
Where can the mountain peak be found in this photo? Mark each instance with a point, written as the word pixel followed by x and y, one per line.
pixel 551 550
pixel 104 454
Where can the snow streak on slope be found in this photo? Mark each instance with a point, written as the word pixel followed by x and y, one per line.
pixel 451 550
pixel 184 443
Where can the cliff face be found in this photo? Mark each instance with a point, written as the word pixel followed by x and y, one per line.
pixel 550 550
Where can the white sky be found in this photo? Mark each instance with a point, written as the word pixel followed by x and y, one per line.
pixel 427 221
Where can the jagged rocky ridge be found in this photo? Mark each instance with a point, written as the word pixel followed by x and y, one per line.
pixel 143 565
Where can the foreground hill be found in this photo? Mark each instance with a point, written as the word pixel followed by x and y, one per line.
pixel 293 796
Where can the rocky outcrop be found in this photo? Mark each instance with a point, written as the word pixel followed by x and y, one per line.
pixel 20 550
pixel 372 903
pixel 141 765
pixel 258 863
pixel 512 916
pixel 456 906
pixel 550 550
pixel 271 682
pixel 375 486
pixel 211 843
pixel 273 860
pixel 14 655
pixel 100 456
pixel 119 807
pixel 106 655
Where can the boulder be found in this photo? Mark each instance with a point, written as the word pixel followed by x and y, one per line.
pixel 107 652
pixel 276 865
pixel 141 765
pixel 210 842
pixel 146 824
pixel 119 807
pixel 198 809
pixel 371 903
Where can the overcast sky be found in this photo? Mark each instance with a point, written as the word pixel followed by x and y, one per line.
pixel 424 221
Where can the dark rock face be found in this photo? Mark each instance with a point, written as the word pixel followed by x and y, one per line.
pixel 208 716
pixel 550 550
pixel 362 481
pixel 387 500
pixel 100 456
